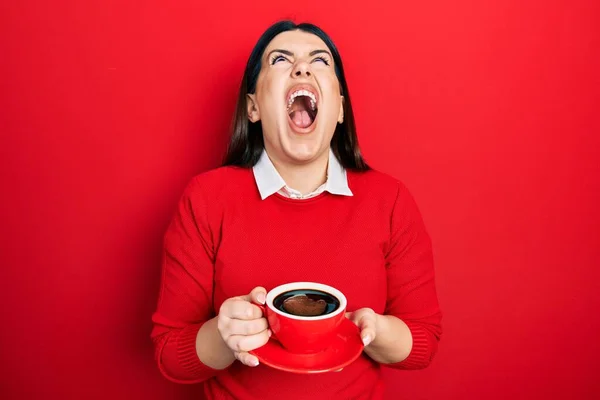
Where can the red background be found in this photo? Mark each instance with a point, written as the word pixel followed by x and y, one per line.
pixel 489 113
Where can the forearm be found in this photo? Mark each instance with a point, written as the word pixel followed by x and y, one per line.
pixel 393 342
pixel 211 349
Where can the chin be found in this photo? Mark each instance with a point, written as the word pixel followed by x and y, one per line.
pixel 304 149
pixel 302 153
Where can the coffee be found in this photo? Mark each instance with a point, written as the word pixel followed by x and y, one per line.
pixel 306 302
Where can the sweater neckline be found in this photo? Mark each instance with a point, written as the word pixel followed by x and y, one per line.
pixel 314 199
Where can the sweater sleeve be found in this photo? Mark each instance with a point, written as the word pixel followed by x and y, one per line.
pixel 186 290
pixel 412 295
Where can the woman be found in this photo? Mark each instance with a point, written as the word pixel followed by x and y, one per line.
pixel 294 202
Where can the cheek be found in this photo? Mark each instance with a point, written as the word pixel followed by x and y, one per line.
pixel 270 92
pixel 331 88
pixel 335 101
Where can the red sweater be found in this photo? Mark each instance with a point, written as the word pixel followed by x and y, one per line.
pixel 224 240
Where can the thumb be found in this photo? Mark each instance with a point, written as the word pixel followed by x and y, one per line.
pixel 257 295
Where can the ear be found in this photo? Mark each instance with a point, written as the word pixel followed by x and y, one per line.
pixel 341 114
pixel 252 107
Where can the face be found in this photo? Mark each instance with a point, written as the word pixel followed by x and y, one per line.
pixel 297 98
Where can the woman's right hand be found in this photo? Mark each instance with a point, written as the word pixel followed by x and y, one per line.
pixel 242 325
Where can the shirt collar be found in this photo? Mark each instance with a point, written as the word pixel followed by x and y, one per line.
pixel 270 182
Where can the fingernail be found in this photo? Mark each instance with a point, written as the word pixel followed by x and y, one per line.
pixel 366 340
pixel 254 363
pixel 261 298
pixel 269 332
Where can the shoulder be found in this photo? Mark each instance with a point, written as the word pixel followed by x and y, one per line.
pixel 222 176
pixel 375 182
pixel 219 183
pixel 382 190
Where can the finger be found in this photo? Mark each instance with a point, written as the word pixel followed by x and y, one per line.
pixel 246 358
pixel 246 328
pixel 367 329
pixel 248 343
pixel 366 319
pixel 241 309
pixel 257 295
pixel 242 343
pixel 354 317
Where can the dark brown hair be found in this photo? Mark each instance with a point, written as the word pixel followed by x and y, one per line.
pixel 246 143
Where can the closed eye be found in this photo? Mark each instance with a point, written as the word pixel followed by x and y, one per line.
pixel 277 58
pixel 322 59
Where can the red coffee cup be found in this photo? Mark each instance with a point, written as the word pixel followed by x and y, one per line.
pixel 304 334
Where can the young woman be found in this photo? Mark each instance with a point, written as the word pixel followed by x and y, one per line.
pixel 294 201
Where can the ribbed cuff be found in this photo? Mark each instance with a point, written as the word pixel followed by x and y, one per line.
pixel 186 350
pixel 422 349
pixel 179 360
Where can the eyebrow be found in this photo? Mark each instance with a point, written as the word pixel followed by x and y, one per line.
pixel 315 52
pixel 289 53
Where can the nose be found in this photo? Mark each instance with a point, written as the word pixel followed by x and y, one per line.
pixel 301 69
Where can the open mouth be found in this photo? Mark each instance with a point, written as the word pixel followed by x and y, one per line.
pixel 302 108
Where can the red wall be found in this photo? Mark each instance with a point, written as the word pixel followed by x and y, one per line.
pixel 489 113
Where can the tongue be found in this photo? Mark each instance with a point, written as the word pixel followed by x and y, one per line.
pixel 301 119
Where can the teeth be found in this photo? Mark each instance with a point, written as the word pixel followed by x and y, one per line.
pixel 313 99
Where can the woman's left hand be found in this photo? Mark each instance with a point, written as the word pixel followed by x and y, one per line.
pixel 366 320
pixel 387 338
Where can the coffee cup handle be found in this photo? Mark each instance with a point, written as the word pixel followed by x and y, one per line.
pixel 263 308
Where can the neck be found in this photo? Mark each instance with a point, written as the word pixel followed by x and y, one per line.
pixel 304 177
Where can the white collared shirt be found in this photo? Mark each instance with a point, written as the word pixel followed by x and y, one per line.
pixel 270 182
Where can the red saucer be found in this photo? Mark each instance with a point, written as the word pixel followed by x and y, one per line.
pixel 346 348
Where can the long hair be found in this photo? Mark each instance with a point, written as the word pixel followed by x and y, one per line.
pixel 246 143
